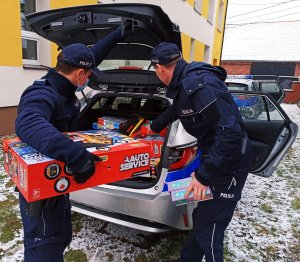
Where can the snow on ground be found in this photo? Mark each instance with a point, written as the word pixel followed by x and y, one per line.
pixel 265 227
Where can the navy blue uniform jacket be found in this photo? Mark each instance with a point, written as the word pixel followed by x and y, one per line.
pixel 224 145
pixel 48 107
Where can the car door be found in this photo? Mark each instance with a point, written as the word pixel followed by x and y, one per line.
pixel 271 133
pixel 273 88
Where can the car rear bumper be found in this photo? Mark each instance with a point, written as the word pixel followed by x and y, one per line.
pixel 152 215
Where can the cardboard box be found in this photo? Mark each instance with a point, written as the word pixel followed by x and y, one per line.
pixel 178 188
pixel 156 142
pixel 111 122
pixel 39 177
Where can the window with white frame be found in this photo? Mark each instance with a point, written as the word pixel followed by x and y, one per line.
pixel 211 9
pixel 206 53
pixel 30 40
pixel 198 6
pixel 221 16
pixel 192 52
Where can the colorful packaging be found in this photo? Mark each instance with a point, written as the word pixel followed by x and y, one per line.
pixel 39 177
pixel 111 122
pixel 156 143
pixel 154 169
pixel 178 188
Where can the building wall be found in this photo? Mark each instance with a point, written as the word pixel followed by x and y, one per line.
pixel 297 70
pixel 7 117
pixel 292 96
pixel 237 68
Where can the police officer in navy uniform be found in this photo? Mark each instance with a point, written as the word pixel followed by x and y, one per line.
pixel 46 109
pixel 207 111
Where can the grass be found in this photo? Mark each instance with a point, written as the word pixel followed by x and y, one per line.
pixel 266 208
pixel 228 256
pixel 270 253
pixel 10 223
pixel 296 204
pixel 75 256
pixel 77 223
pixel 296 231
pixel 169 245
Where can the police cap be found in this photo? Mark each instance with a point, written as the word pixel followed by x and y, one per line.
pixel 165 53
pixel 81 56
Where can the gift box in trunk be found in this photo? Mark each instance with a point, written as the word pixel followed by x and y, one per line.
pixel 156 142
pixel 111 122
pixel 38 177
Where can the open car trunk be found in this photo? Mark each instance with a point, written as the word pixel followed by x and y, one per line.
pixel 136 110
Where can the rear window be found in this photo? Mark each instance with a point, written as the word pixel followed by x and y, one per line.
pixel 123 64
pixel 237 87
pixel 133 104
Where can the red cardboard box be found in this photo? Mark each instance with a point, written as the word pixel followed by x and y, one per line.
pixel 156 143
pixel 39 177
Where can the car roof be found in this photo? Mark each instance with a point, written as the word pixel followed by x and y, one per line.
pixel 239 81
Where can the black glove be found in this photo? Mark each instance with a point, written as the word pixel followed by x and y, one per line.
pixel 86 171
pixel 127 27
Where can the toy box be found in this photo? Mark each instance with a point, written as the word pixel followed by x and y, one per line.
pixel 38 177
pixel 178 188
pixel 111 122
pixel 156 143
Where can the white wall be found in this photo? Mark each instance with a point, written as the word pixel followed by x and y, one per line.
pixel 14 80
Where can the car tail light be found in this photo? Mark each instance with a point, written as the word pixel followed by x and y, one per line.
pixel 179 158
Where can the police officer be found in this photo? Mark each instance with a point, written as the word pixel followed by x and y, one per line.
pixel 207 111
pixel 46 109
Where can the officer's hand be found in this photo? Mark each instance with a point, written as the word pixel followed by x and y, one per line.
pixel 86 171
pixel 197 188
pixel 127 27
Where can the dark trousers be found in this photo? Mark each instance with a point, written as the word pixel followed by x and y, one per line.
pixel 47 235
pixel 210 219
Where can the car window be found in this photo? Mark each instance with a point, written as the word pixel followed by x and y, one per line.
pixel 254 87
pixel 269 87
pixel 123 103
pixel 237 86
pixel 119 64
pixel 102 103
pixel 256 107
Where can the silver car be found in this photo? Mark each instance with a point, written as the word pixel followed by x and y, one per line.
pixel 129 89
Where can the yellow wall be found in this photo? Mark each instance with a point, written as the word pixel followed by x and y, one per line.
pixel 186 46
pixel 54 4
pixel 199 47
pixel 10 28
pixel 191 2
pixel 205 8
pixel 199 51
pixel 219 35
